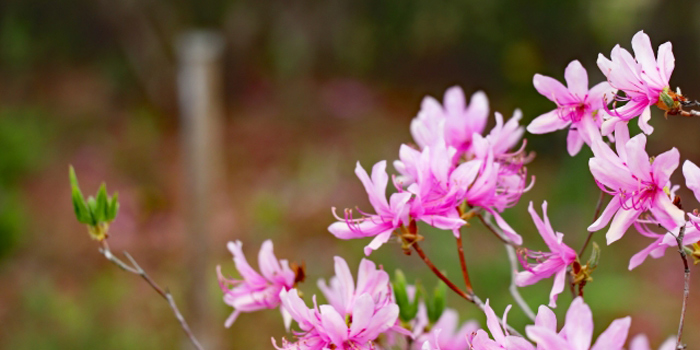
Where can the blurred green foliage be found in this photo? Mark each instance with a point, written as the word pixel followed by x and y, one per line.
pixel 23 137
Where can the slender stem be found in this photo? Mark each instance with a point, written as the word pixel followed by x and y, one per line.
pixel 137 270
pixel 513 287
pixel 686 287
pixel 598 207
pixel 440 275
pixel 463 262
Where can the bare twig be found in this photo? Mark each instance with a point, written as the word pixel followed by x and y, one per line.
pixel 598 207
pixel 686 287
pixel 137 270
pixel 463 262
pixel 514 288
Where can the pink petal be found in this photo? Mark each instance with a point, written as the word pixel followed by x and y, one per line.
pixel 552 89
pixel 666 62
pixel 614 337
pixel 640 342
pixel 643 121
pixel 607 214
pixel 546 318
pixel 691 172
pixel 546 338
pixel 579 325
pixel 637 157
pixel 574 141
pixel 667 213
pixel 622 221
pixel 557 287
pixel 664 165
pixel 547 123
pixel 334 325
pixel 577 79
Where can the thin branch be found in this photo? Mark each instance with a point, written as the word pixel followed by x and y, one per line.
pixel 686 287
pixel 137 270
pixel 513 287
pixel 440 275
pixel 463 262
pixel 598 207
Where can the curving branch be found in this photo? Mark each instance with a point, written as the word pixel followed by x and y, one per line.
pixel 136 269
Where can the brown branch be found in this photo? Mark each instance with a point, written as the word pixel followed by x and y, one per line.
pixel 463 262
pixel 137 270
pixel 686 287
pixel 470 297
pixel 598 207
pixel 440 275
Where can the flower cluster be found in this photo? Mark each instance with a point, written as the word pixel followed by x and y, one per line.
pixel 457 170
pixel 453 166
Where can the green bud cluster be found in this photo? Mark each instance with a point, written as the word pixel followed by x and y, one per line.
pixel 96 212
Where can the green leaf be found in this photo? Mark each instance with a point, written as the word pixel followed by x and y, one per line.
pixel 407 310
pixel 92 208
pixel 113 207
pixel 436 305
pixel 102 204
pixel 82 212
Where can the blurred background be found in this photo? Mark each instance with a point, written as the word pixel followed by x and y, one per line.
pixel 296 92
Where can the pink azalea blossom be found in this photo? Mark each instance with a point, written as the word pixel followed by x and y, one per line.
pixel 491 185
pixel 640 342
pixel 549 264
pixel 577 106
pixel 501 339
pixel 354 319
pixel 444 334
pixel 452 123
pixel 642 78
pixel 390 214
pixel 255 291
pixel 341 290
pixel 577 332
pixel 436 197
pixel 638 184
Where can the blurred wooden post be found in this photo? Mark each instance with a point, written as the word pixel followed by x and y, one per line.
pixel 201 110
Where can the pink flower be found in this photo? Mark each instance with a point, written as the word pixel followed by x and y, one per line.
pixel 549 264
pixel 577 332
pixel 452 124
pixel 664 241
pixel 341 291
pixel 640 342
pixel 641 78
pixel 255 291
pixel 491 185
pixel 355 317
pixel 444 334
pixel 501 339
pixel 691 172
pixel 390 214
pixel 638 184
pixel 436 197
pixel 577 107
